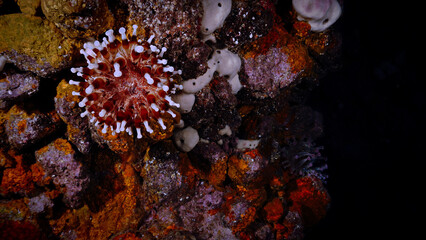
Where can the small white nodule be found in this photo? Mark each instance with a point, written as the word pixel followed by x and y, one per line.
pixel 122 31
pixel 72 82
pixel 168 69
pixel 135 27
pixel 104 129
pixel 154 48
pixel 89 89
pixel 148 78
pixel 139 49
pixel 117 72
pixel 123 125
pixel 162 61
pixel 83 102
pixel 118 127
pixel 186 139
pixel 171 113
pixel 163 50
pixel 147 128
pixel 160 121
pixel 83 114
pixel 129 131
pixel 110 35
pixel 150 38
pixel 155 107
pixel 138 130
pixel 102 113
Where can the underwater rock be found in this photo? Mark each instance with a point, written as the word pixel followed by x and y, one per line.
pixel 40 203
pixel 245 167
pixel 24 129
pixel 35 45
pixel 17 87
pixel 201 207
pixel 78 19
pixel 175 25
pixel 21 177
pixel 161 174
pixel 78 131
pixel 59 162
pixel 29 7
pixel 212 162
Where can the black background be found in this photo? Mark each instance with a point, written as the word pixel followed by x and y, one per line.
pixel 374 122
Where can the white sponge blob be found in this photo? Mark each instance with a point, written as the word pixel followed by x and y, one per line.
pixel 320 14
pixel 247 144
pixel 196 84
pixel 225 63
pixel 215 13
pixel 228 63
pixel 185 101
pixel 186 139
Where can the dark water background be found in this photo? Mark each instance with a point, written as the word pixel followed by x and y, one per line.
pixel 374 119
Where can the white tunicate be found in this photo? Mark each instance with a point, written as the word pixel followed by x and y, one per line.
pixel 228 63
pixel 320 14
pixel 196 84
pixel 225 63
pixel 154 48
pixel 247 144
pixel 235 84
pixel 225 131
pixel 215 13
pixel 168 69
pixel 186 139
pixel 185 101
pixel 150 38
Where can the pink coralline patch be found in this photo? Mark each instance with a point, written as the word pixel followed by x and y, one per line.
pixel 127 84
pixel 268 73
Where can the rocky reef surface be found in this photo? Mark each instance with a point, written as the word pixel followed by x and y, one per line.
pixel 224 149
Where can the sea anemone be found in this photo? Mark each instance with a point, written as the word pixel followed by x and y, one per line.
pixel 127 84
